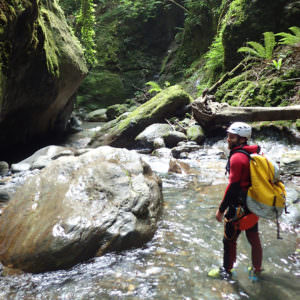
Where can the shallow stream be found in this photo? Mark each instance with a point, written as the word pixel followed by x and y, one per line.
pixel 187 244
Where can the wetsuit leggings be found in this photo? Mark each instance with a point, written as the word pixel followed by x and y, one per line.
pixel 230 238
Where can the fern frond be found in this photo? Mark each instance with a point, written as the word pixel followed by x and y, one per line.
pixel 288 38
pixel 249 50
pixel 270 43
pixel 154 86
pixel 295 30
pixel 259 48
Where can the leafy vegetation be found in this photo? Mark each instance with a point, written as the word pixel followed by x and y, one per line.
pixel 261 51
pixel 277 64
pixel 86 23
pixel 155 87
pixel 289 38
pixel 126 44
pixel 214 59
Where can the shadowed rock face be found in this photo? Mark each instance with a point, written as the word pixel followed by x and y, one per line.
pixel 41 66
pixel 79 207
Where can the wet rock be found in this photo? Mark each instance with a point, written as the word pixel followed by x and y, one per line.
pixel 146 137
pixel 162 152
pixel 195 133
pixel 80 207
pixel 290 163
pixel 46 66
pixel 293 208
pixel 98 115
pixel 177 166
pixel 4 168
pixel 116 110
pixel 164 135
pixel 173 138
pixel 4 196
pixel 185 148
pixel 156 110
pixel 159 143
pixel 41 158
pixel 20 167
pixel 74 125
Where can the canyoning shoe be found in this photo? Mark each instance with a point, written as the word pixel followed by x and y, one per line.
pixel 254 275
pixel 220 273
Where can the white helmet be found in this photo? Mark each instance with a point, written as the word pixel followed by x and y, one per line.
pixel 240 128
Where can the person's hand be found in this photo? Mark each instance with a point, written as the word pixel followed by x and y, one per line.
pixel 219 216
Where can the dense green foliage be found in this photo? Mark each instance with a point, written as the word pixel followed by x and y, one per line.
pixel 262 51
pixel 156 41
pixel 86 23
pixel 289 38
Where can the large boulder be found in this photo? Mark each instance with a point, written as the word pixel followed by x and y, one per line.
pixel 80 207
pixel 41 66
pixel 122 133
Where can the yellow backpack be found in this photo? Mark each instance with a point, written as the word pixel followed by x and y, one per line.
pixel 266 197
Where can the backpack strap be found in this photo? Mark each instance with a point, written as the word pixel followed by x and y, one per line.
pixel 241 150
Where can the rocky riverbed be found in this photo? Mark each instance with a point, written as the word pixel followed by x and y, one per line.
pixel 187 242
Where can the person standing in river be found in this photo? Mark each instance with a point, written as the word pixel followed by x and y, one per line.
pixel 237 216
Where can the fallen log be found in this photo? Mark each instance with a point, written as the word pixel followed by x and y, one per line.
pixel 213 114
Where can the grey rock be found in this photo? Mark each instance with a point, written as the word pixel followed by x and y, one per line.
pixel 80 207
pixel 290 163
pixel 184 148
pixel 57 66
pixel 195 133
pixel 159 143
pixel 98 115
pixel 20 167
pixel 4 196
pixel 41 158
pixel 173 138
pixel 146 138
pixel 4 168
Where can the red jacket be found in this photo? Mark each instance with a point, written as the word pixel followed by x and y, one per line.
pixel 239 176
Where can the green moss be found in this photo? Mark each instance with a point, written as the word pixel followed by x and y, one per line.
pixel 149 109
pixel 261 85
pixel 101 89
pixel 195 133
pixel 50 46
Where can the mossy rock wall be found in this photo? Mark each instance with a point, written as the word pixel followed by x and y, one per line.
pixel 261 84
pixel 41 66
pixel 246 20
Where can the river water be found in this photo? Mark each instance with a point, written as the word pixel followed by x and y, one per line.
pixel 187 244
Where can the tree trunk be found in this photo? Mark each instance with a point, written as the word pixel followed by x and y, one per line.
pixel 212 114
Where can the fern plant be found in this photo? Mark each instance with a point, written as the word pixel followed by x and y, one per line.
pixel 261 51
pixel 155 88
pixel 289 38
pixel 277 64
